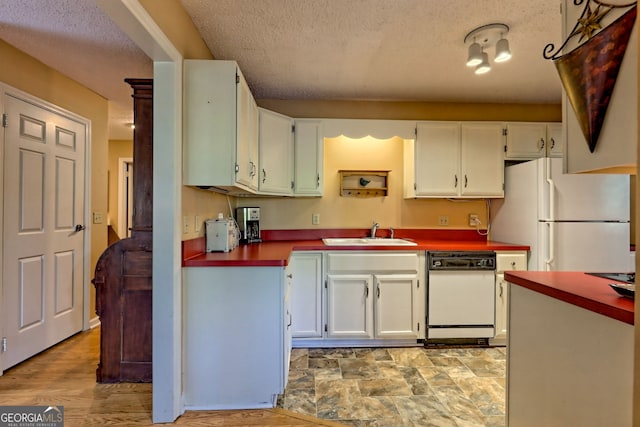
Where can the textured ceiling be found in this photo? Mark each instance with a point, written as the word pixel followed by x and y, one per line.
pixel 309 49
pixel 381 49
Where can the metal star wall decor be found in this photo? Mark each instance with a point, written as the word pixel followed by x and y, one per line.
pixel 589 71
pixel 590 24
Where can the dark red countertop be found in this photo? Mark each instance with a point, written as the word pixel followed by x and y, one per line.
pixel 577 288
pixel 278 245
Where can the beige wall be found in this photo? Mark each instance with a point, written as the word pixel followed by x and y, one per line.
pixel 29 75
pixel 118 149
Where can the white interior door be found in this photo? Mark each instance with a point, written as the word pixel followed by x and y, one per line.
pixel 43 238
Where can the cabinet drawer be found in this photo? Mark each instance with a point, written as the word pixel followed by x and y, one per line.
pixel 507 262
pixel 373 262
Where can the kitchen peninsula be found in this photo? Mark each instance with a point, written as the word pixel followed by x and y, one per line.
pixel 570 359
pixel 237 308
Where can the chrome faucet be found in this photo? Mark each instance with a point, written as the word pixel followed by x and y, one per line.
pixel 392 232
pixel 374 228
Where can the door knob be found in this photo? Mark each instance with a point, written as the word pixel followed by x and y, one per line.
pixel 79 227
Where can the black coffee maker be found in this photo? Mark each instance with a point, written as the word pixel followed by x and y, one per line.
pixel 249 224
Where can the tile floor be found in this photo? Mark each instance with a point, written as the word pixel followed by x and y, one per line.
pixel 399 386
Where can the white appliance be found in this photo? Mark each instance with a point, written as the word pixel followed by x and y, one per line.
pixel 461 294
pixel 222 234
pixel 572 222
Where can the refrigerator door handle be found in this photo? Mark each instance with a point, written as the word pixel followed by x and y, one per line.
pixel 551 251
pixel 552 192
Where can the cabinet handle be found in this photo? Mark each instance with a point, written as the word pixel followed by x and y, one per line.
pixel 541 144
pixel 290 276
pixel 513 265
pixel 378 289
pixel 465 180
pixel 553 143
pixel 455 185
pixel 501 284
pixel 290 321
pixel 366 288
pixel 318 181
pixel 264 175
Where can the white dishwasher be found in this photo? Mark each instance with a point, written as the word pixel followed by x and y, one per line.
pixel 461 294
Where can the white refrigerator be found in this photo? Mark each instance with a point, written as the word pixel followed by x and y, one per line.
pixel 572 222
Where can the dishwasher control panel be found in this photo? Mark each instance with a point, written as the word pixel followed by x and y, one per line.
pixel 461 260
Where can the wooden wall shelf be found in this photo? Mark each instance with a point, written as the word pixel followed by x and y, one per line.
pixel 364 183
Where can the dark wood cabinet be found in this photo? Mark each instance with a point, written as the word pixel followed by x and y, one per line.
pixel 123 275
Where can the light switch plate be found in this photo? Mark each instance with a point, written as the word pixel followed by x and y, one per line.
pixel 97 218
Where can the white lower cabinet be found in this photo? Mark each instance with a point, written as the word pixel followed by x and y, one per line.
pixel 350 306
pixel 305 274
pixel 505 261
pixel 375 296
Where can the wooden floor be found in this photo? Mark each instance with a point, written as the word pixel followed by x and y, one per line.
pixel 65 375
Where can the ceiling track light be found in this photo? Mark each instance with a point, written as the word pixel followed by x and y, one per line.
pixel 480 40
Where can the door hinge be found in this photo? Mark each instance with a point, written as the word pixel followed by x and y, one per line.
pixel 505 148
pixel 5 120
pixel 4 345
pixel 418 326
pixel 237 78
pixel 418 284
pixel 325 283
pixel 293 128
pixel 505 132
pixel 325 328
pixel 293 185
pixel 415 131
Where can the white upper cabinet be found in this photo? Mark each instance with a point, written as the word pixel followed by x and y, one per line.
pixel 616 146
pixel 453 159
pixel 309 157
pixel 528 141
pixel 276 153
pixel 437 159
pixel 220 127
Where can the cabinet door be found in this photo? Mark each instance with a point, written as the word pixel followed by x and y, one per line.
pixel 555 140
pixel 276 153
pixel 526 140
pixel 394 306
pixel 306 294
pixel 501 306
pixel 505 261
pixel 482 163
pixel 349 306
pixel 247 136
pixel 437 159
pixel 288 321
pixel 309 158
pixel 210 95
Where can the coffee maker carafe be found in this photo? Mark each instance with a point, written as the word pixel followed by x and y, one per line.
pixel 249 223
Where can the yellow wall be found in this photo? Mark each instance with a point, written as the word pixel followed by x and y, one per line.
pixel 117 149
pixel 31 76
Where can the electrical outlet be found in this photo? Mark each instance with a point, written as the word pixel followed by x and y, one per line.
pixel 474 220
pixel 443 220
pixel 315 219
pixel 197 226
pixel 185 224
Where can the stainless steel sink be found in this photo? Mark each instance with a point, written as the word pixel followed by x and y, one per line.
pixel 367 241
